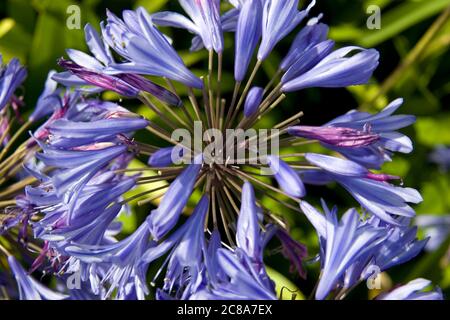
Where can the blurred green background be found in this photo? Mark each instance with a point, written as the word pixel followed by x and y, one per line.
pixel 414 43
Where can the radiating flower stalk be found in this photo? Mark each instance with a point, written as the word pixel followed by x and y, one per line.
pixel 80 178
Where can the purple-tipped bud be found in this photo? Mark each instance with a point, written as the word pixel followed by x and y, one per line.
pixel 253 101
pixel 336 136
pixel 100 80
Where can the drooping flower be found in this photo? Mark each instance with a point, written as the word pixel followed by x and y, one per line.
pixel 343 243
pixel 241 273
pixel 137 40
pixel 340 137
pixel 371 190
pixel 186 260
pixel 400 246
pixel 383 124
pixel 29 288
pixel 334 70
pixel 279 18
pixel 205 21
pixel 164 218
pixel 87 70
pixel 123 261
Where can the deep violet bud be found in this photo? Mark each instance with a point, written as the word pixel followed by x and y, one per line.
pixel 253 101
pixel 336 136
pixel 126 84
pixel 101 80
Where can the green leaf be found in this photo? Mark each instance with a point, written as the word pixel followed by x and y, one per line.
pixel 433 195
pixel 14 40
pixel 151 5
pixel 401 18
pixel 433 131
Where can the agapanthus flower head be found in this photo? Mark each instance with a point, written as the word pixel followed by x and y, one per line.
pixel 96 160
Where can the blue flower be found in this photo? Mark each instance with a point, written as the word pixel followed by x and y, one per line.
pixel 413 290
pixel 240 274
pixel 310 36
pixel 205 21
pixel 384 124
pixel 11 77
pixel 320 68
pixel 69 134
pixel 342 243
pixel 371 190
pixel 122 260
pixel 165 217
pixel 279 18
pixel 186 260
pixel 49 100
pixel 29 288
pixel 77 167
pixel 400 246
pixel 137 40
